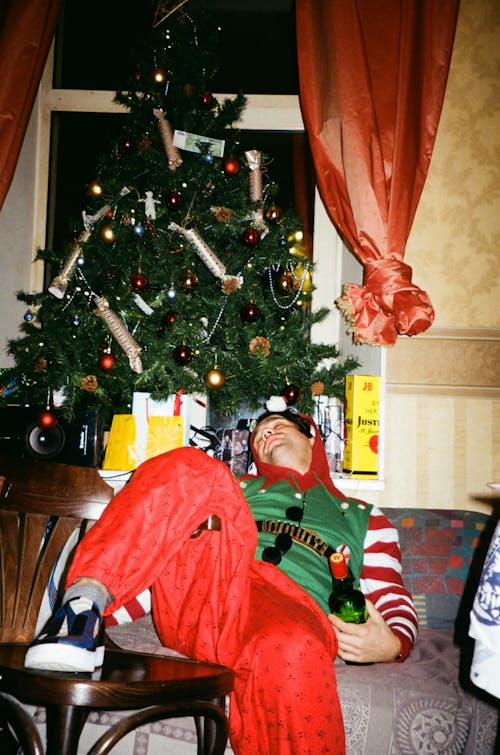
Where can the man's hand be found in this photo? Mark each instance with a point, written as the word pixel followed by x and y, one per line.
pixel 371 642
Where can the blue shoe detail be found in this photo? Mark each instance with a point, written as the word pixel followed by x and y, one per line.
pixel 71 641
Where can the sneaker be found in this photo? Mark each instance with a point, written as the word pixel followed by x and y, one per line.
pixel 71 641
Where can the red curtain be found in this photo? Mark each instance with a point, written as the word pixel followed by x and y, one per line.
pixel 26 31
pixel 372 81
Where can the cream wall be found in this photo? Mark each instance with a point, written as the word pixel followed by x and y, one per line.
pixel 443 387
pixel 16 242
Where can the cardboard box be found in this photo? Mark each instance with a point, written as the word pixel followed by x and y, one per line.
pixel 362 401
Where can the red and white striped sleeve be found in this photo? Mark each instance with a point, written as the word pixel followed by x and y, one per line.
pixel 382 583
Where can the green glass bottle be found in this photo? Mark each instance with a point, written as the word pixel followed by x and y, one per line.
pixel 346 601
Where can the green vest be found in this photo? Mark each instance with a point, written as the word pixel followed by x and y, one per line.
pixel 327 523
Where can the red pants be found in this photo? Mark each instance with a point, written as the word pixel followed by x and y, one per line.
pixel 211 600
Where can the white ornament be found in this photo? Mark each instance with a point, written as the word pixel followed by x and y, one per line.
pixel 149 205
pixel 142 304
pixel 207 256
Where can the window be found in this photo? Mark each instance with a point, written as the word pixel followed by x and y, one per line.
pixel 257 44
pixel 252 37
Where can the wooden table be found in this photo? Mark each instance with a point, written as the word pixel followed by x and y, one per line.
pixel 161 687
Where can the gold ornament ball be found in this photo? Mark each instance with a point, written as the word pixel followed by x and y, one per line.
pixel 188 280
pixel 95 188
pixel 274 214
pixel 285 283
pixel 159 76
pixel 108 234
pixel 302 277
pixel 215 378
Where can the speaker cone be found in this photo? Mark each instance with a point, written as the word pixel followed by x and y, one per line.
pixel 45 442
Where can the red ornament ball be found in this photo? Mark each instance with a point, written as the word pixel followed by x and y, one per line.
pixel 215 378
pixel 251 236
pixel 126 144
pixel 231 166
pixel 207 100
pixel 174 200
pixel 291 393
pixel 47 419
pixel 182 354
pixel 138 282
pixel 144 141
pixel 169 318
pixel 106 361
pixel 250 312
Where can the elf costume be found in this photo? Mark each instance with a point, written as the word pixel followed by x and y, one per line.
pixel 213 598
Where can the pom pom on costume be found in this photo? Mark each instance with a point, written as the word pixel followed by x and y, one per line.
pixel 276 404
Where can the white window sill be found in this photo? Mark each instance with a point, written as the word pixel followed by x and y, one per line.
pixel 350 485
pixel 117 479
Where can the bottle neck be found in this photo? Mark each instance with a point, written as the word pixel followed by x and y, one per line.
pixel 338 567
pixel 341 580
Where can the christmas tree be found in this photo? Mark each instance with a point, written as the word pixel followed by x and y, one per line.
pixel 186 273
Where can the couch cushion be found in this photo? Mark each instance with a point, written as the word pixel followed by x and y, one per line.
pixel 411 707
pixel 416 706
pixel 442 552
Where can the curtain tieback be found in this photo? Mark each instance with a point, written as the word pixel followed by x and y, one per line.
pixel 388 304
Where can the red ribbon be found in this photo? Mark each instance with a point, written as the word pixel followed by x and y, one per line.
pixel 178 403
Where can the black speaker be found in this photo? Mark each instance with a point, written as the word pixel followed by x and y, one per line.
pixel 79 442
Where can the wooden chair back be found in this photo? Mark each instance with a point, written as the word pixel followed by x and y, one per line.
pixel 41 505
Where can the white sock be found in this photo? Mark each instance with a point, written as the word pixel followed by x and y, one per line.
pixel 88 592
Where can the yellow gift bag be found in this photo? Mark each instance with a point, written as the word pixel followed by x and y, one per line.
pixel 121 450
pixel 154 427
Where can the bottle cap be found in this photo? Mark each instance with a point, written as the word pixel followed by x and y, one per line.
pixel 338 566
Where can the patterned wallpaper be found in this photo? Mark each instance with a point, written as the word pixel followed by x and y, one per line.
pixel 454 246
pixel 442 442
